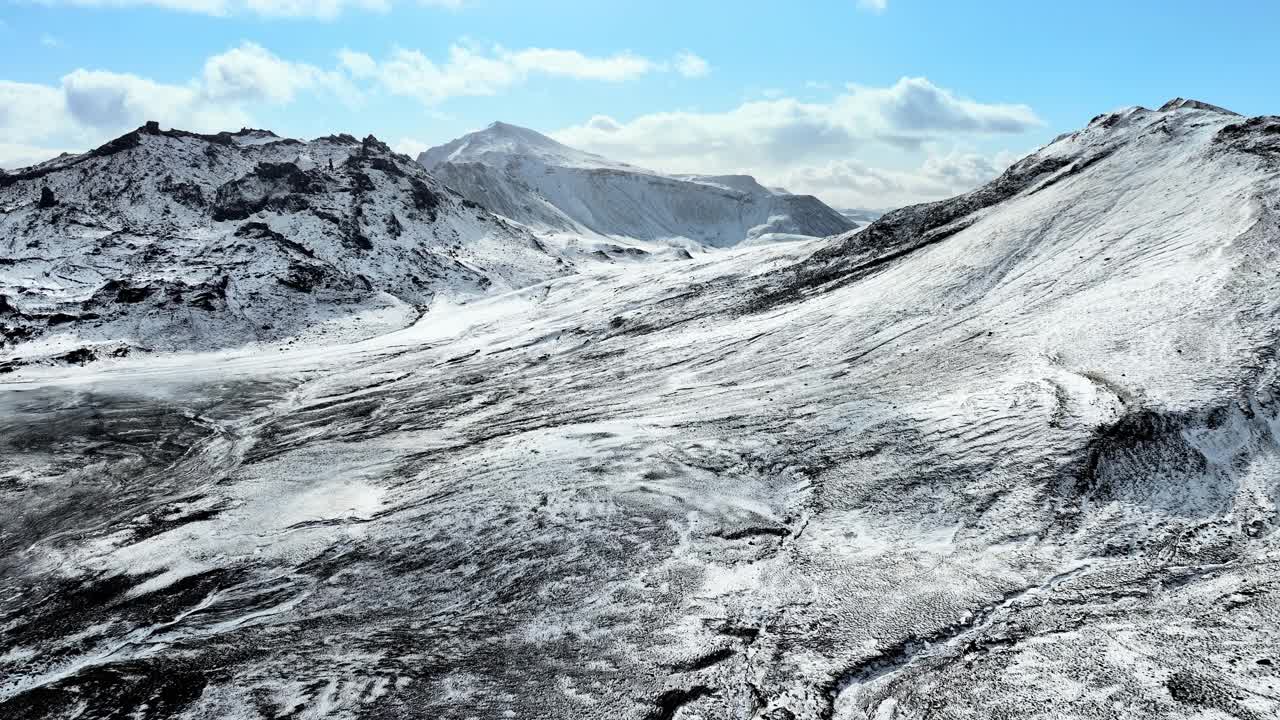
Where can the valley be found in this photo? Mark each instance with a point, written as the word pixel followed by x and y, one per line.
pixel 1012 454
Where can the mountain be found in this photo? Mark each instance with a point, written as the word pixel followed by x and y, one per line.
pixel 861 217
pixel 168 239
pixel 547 186
pixel 1015 454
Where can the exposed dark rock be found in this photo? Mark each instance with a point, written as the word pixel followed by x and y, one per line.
pixel 394 227
pixel 121 292
pixel 262 231
pixel 669 703
pixel 188 194
pixel 387 166
pixel 128 141
pixel 212 295
pixel 339 139
pixel 1257 136
pixel 79 356
pixel 361 182
pixel 62 319
pixel 303 277
pixel 1181 103
pixel 423 197
pixel 372 144
pixel 280 187
pixel 47 198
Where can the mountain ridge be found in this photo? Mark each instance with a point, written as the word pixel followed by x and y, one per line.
pixel 1012 454
pixel 165 238
pixel 548 186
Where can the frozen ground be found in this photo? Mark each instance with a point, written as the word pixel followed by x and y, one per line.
pixel 1009 455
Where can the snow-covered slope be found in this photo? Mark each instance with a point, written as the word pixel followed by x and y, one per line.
pixel 166 239
pixel 530 178
pixel 1010 455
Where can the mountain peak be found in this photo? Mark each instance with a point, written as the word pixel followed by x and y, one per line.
pixel 1179 103
pixel 539 182
pixel 500 143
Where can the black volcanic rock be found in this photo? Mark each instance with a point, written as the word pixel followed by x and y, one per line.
pixel 203 239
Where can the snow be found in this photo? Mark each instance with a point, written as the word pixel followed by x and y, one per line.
pixel 180 241
pixel 554 189
pixel 1009 455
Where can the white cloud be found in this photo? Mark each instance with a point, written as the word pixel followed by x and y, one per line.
pixel 573 64
pixel 101 100
pixel 915 104
pixel 691 66
pixel 877 6
pixel 90 106
pixel 471 71
pixel 410 146
pixel 50 41
pixel 850 183
pixel 318 9
pixel 250 73
pixel 358 64
pixel 30 113
pixel 14 155
pixel 805 145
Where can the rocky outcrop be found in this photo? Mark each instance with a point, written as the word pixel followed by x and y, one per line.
pixel 168 239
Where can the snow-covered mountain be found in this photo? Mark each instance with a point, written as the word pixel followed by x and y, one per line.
pixel 1015 454
pixel 548 186
pixel 168 239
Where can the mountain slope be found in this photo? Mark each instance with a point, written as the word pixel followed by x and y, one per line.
pixel 530 178
pixel 1013 454
pixel 166 239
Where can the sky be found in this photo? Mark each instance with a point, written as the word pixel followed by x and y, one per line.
pixel 865 103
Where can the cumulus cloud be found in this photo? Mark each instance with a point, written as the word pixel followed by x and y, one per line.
pixel 915 104
pixel 315 9
pixel 691 66
pixel 471 71
pixel 411 146
pixel 358 64
pixel 107 100
pixel 571 63
pixel 89 106
pixel 250 73
pixel 850 183
pixel 786 141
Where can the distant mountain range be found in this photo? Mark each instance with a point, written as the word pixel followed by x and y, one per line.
pixel 551 187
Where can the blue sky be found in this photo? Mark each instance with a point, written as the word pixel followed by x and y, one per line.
pixel 864 102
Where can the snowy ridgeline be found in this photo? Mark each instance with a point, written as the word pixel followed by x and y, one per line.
pixel 1010 455
pixel 166 240
pixel 550 187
